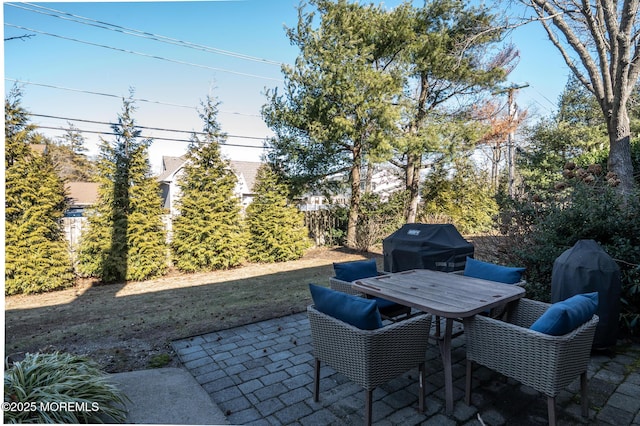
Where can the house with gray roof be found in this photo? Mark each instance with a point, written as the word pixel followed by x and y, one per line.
pixel 172 168
pixel 80 196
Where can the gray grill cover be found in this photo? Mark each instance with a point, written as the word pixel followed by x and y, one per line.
pixel 586 268
pixel 438 247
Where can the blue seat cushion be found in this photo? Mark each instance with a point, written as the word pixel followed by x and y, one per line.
pixel 565 316
pixel 358 269
pixel 492 272
pixel 357 311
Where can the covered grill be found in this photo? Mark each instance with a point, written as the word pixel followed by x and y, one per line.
pixel 438 247
pixel 585 268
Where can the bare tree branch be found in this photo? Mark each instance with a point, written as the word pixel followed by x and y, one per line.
pixel 22 37
pixel 600 42
pixel 596 80
pixel 565 54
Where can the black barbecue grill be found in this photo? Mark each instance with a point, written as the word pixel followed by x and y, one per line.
pixel 438 247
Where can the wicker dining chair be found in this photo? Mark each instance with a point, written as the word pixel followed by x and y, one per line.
pixel 370 358
pixel 543 362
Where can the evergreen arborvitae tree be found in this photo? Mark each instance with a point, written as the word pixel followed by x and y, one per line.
pixel 277 231
pixel 147 238
pixel 125 238
pixel 208 232
pixel 37 258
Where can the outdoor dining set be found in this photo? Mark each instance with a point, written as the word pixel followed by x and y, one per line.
pixel 372 327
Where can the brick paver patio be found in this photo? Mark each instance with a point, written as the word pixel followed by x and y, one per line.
pixel 262 374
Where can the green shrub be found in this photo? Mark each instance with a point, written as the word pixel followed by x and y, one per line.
pixel 36 254
pixel 124 238
pixel 208 234
pixel 275 227
pixel 39 387
pixel 539 232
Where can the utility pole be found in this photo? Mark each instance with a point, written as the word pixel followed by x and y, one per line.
pixel 513 117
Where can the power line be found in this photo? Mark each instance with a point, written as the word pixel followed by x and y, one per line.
pixel 51 86
pixel 235 145
pixel 137 33
pixel 146 55
pixel 546 99
pixel 106 123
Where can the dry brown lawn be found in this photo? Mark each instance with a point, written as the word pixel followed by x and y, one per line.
pixel 126 326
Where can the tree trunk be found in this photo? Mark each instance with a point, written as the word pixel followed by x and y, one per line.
pixel 495 162
pixel 604 35
pixel 619 161
pixel 354 207
pixel 414 164
pixel 414 160
pixel 368 183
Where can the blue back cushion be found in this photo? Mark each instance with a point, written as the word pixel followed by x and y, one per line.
pixel 492 272
pixel 358 269
pixel 357 311
pixel 564 317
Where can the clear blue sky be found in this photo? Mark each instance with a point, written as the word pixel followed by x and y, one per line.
pixel 174 78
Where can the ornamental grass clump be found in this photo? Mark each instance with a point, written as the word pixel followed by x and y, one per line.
pixel 60 388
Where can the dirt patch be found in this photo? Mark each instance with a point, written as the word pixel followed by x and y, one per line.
pixel 130 326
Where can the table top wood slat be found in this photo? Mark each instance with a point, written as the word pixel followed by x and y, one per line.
pixel 440 293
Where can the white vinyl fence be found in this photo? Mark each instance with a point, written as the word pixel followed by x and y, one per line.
pixel 73 226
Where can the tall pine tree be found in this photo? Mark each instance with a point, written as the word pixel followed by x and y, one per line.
pixel 125 239
pixel 69 156
pixel 208 232
pixel 36 255
pixel 276 228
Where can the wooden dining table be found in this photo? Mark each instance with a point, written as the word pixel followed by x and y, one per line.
pixel 447 295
